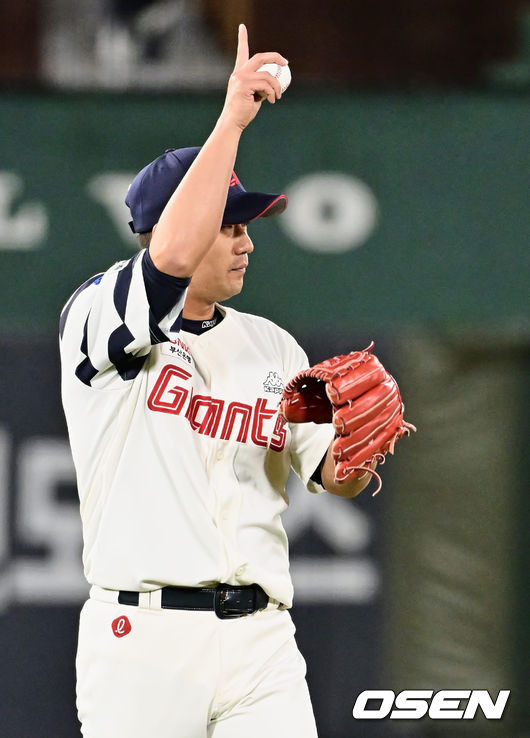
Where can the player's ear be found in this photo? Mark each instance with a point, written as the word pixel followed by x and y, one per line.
pixel 144 239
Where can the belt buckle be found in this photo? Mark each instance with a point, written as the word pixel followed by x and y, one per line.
pixel 224 600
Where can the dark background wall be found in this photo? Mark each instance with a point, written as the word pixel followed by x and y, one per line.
pixel 381 43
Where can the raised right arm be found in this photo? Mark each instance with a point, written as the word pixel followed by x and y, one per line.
pixel 191 220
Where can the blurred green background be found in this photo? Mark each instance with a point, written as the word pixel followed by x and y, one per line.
pixel 445 213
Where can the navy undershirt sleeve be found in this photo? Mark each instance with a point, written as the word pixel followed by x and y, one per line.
pixel 316 476
pixel 163 290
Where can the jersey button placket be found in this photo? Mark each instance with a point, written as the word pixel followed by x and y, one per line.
pixel 222 486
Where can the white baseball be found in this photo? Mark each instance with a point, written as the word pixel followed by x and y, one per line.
pixel 282 73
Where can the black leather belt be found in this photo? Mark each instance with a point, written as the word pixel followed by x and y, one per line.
pixel 225 600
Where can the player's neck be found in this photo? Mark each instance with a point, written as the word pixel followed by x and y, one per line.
pixel 197 309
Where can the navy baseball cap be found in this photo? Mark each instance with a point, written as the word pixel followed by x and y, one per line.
pixel 152 188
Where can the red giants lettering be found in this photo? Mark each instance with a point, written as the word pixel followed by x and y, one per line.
pixel 257 424
pixel 213 417
pixel 278 435
pixel 166 396
pixel 234 409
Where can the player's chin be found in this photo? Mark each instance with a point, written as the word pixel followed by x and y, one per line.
pixel 230 290
pixel 236 290
pixel 237 278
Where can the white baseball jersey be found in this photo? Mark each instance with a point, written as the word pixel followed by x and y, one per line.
pixel 180 455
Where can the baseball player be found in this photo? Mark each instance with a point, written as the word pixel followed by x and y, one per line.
pixel 171 400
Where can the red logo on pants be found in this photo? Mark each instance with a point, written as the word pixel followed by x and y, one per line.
pixel 121 626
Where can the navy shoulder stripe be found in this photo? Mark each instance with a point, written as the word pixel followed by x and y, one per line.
pixel 62 321
pixel 121 288
pixel 157 335
pixel 127 365
pixel 85 371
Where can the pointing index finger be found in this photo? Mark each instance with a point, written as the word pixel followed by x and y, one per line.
pixel 242 46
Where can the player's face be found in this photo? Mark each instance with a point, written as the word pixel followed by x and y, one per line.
pixel 221 273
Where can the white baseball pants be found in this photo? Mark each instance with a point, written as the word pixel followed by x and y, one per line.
pixel 144 672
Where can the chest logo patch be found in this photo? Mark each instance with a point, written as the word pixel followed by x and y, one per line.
pixel 178 349
pixel 273 383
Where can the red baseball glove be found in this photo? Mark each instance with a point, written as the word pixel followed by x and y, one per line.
pixel 362 400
